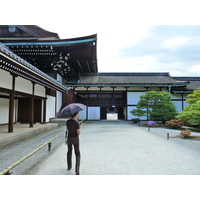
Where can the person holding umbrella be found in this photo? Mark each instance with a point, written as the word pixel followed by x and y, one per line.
pixel 73 131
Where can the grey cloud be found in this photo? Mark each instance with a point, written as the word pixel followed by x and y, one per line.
pixel 152 44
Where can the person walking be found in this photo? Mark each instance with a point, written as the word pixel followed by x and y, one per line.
pixel 73 130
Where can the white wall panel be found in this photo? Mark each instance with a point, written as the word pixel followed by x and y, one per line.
pixel 50 112
pixel 93 113
pixel 178 105
pixel 93 89
pixel 130 116
pixel 136 88
pixel 58 100
pixel 80 89
pixel 23 85
pixel 120 89
pixel 176 96
pixel 4 109
pixel 40 90
pixel 106 89
pixel 82 114
pixel 5 79
pixel 133 97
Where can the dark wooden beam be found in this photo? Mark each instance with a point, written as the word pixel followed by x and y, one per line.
pixel 11 113
pixel 32 106
pixel 44 110
pixel 11 107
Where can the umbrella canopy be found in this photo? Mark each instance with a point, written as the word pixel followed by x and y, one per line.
pixel 71 109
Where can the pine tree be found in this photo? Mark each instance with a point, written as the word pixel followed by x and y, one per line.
pixel 157 105
pixel 194 97
pixel 191 113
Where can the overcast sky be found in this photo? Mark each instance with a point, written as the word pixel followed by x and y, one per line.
pixel 129 39
pixel 161 48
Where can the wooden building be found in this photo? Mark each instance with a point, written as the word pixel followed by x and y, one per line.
pixel 26 93
pixel 73 63
pixel 35 66
pixel 120 92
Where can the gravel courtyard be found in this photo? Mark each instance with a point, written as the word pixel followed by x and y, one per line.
pixel 121 148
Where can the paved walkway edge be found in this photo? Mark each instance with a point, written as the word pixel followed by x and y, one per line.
pixel 28 134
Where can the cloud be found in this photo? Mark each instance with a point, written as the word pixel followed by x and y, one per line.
pixel 171 48
pixel 174 43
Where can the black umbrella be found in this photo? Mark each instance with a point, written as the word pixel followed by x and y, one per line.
pixel 71 109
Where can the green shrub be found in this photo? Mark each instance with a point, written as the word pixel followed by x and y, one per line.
pixel 135 120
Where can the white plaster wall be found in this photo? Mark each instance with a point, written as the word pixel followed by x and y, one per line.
pixel 120 89
pixel 93 113
pixel 80 89
pixel 176 96
pixel 178 105
pixel 133 97
pixel 59 94
pixel 40 90
pixel 93 89
pixel 82 114
pixel 50 111
pixel 130 116
pixel 23 85
pixel 4 109
pixel 58 100
pixel 106 89
pixel 5 79
pixel 136 88
pixel 153 89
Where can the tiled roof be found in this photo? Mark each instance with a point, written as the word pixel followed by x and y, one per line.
pixel 194 82
pixel 131 79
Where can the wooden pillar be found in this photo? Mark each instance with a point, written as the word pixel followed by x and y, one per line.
pixel 100 99
pixel 87 99
pixel 44 110
pixel 11 112
pixel 182 101
pixel 126 103
pixel 11 107
pixel 113 90
pixel 32 106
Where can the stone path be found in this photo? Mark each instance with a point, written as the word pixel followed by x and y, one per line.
pixel 121 148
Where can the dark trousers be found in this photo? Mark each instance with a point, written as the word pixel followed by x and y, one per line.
pixel 73 141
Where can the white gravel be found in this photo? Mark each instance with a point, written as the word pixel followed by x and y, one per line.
pixel 12 153
pixel 121 148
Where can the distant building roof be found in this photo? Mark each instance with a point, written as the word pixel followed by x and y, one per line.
pixel 193 85
pixel 131 79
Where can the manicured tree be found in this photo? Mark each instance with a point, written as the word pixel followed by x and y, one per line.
pixel 194 97
pixel 191 113
pixel 157 105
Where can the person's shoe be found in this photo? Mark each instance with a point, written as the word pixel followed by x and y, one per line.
pixel 77 173
pixel 69 167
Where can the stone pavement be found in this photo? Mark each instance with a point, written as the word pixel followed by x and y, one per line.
pixel 121 148
pixel 22 131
